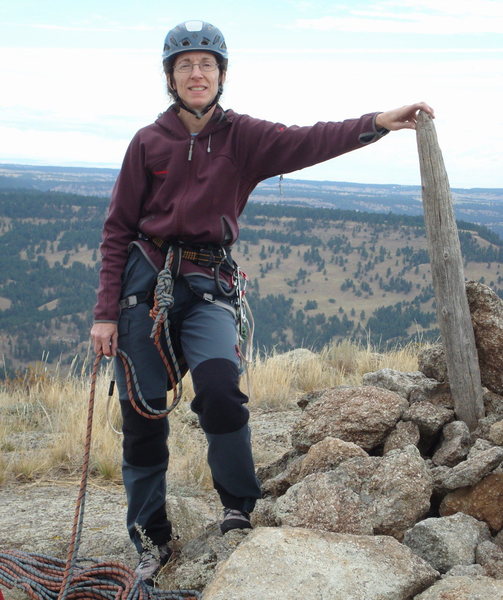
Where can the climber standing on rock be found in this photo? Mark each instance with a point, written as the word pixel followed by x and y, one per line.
pixel 183 184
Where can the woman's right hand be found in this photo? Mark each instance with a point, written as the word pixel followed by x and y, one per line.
pixel 105 337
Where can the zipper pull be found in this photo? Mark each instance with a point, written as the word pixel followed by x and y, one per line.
pixel 191 147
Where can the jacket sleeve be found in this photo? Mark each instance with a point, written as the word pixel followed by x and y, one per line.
pixel 120 229
pixel 267 149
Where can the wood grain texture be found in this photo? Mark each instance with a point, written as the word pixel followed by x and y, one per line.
pixel 453 313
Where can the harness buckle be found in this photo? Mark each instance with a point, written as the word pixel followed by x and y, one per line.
pixel 204 257
pixel 129 301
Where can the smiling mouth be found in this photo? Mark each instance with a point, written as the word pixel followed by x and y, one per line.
pixel 197 88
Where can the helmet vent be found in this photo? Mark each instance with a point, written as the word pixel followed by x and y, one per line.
pixel 194 25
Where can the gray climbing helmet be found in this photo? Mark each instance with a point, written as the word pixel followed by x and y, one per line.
pixel 195 36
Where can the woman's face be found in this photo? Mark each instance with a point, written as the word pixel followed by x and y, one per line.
pixel 196 78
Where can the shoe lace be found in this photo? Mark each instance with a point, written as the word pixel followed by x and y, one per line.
pixel 147 559
pixel 233 512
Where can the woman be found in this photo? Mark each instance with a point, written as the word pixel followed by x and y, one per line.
pixel 184 182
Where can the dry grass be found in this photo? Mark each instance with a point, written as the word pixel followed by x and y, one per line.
pixel 43 415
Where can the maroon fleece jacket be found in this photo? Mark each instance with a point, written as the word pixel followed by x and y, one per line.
pixel 193 188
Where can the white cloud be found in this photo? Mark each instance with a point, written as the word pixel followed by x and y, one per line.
pixel 413 17
pixel 60 147
pixel 93 28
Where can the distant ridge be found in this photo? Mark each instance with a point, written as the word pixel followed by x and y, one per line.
pixel 483 206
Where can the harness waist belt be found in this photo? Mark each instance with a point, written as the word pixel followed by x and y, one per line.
pixel 204 256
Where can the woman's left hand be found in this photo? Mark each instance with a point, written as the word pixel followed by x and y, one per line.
pixel 404 117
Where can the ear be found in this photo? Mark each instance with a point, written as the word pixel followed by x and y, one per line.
pixel 171 82
pixel 222 77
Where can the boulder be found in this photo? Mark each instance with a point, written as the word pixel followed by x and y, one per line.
pixel 479 446
pixel 431 362
pixel 361 415
pixel 484 501
pixel 439 474
pixel 454 446
pixel 320 501
pixel 363 495
pixel 278 485
pixel 400 488
pixel 486 310
pixel 404 384
pixel 323 456
pixel 463 588
pixel 495 434
pixel 474 570
pixel 327 455
pixel 493 403
pixel 476 467
pixel 314 565
pixel 404 434
pixel 428 417
pixel 490 556
pixel 448 541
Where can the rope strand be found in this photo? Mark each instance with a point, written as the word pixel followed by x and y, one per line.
pixel 47 578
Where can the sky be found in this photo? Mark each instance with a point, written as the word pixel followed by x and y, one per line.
pixel 80 77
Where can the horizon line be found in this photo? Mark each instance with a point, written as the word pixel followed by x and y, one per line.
pixel 97 166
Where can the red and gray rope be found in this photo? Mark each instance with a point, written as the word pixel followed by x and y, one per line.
pixel 44 577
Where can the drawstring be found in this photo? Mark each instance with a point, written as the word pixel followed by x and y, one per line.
pixel 208 149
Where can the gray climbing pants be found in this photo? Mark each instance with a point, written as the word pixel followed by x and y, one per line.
pixel 205 333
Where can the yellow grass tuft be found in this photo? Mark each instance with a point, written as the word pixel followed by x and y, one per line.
pixel 43 414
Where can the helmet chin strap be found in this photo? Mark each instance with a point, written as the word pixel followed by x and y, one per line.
pixel 199 114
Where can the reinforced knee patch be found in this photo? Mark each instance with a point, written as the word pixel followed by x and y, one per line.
pixel 144 443
pixel 218 400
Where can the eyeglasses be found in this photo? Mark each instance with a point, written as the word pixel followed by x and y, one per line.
pixel 205 66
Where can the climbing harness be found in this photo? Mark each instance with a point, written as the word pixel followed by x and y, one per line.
pixel 220 260
pixel 206 256
pixel 43 577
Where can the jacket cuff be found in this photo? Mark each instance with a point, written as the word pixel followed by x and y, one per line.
pixel 105 321
pixel 376 134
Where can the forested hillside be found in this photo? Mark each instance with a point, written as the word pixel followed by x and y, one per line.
pixel 315 274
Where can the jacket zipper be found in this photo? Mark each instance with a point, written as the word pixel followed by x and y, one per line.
pixel 180 212
pixel 191 147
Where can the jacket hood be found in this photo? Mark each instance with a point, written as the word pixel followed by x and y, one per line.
pixel 171 122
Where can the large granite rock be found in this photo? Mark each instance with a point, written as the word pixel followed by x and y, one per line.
pixel 447 542
pixel 362 415
pixel 464 588
pixel 486 310
pixel 484 501
pixel 363 495
pixel 313 565
pixel 414 386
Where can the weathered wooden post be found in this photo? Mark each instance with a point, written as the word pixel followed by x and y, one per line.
pixel 447 272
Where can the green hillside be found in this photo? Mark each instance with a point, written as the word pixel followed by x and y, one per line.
pixel 315 274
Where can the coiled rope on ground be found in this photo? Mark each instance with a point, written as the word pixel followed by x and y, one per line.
pixel 44 577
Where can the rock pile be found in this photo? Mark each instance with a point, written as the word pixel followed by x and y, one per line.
pixel 384 494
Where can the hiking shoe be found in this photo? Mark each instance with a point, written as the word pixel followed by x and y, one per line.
pixel 235 519
pixel 151 562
